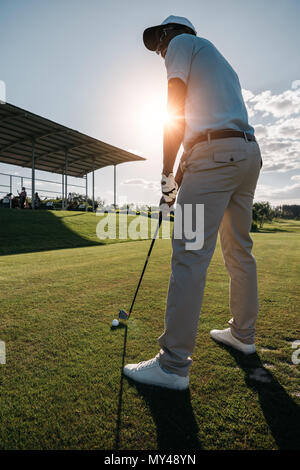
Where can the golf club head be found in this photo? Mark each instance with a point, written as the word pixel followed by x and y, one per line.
pixel 123 315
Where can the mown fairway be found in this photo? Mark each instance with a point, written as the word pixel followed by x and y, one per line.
pixel 28 231
pixel 62 387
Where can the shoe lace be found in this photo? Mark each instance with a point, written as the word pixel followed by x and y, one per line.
pixel 145 364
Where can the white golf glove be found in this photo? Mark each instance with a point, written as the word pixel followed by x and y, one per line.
pixel 169 187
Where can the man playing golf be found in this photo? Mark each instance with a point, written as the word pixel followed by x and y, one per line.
pixel 218 170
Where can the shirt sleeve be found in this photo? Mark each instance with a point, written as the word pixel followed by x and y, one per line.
pixel 179 57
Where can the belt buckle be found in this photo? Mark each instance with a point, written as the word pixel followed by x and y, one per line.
pixel 245 137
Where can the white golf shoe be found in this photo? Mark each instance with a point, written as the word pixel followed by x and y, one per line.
pixel 151 373
pixel 226 337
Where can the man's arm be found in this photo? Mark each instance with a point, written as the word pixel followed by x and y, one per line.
pixel 174 129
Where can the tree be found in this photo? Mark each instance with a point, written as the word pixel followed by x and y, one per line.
pixel 291 211
pixel 262 212
pixel 100 202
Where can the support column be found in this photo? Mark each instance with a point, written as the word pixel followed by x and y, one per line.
pixel 21 182
pixel 33 176
pixel 63 191
pixel 66 178
pixel 115 186
pixel 86 193
pixel 10 190
pixel 93 182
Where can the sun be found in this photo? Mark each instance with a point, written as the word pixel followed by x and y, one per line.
pixel 167 119
pixel 154 115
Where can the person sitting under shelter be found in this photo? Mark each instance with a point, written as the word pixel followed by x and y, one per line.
pixel 6 201
pixel 23 196
pixel 37 200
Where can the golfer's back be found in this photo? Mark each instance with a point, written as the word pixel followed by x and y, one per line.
pixel 214 98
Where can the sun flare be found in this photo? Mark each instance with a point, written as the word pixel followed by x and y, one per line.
pixel 154 115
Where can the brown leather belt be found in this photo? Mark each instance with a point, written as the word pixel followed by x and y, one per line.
pixel 222 134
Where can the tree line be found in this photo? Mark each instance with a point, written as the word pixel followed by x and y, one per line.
pixel 264 212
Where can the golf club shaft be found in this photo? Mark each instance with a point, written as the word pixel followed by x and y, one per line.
pixel 146 262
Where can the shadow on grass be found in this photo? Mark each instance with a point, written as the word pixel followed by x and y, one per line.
pixel 281 412
pixel 31 231
pixel 72 215
pixel 173 415
pixel 171 410
pixel 272 230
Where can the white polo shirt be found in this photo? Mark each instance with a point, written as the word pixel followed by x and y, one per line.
pixel 214 97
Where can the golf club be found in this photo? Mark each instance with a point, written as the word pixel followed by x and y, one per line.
pixel 123 315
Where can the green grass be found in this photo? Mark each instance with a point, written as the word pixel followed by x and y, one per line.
pixel 27 231
pixel 62 386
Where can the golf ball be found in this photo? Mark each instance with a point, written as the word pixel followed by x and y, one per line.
pixel 115 322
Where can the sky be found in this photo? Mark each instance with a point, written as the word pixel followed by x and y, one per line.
pixel 82 63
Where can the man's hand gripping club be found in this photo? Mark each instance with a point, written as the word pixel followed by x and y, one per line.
pixel 169 189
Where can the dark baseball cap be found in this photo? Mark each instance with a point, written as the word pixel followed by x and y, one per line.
pixel 150 34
